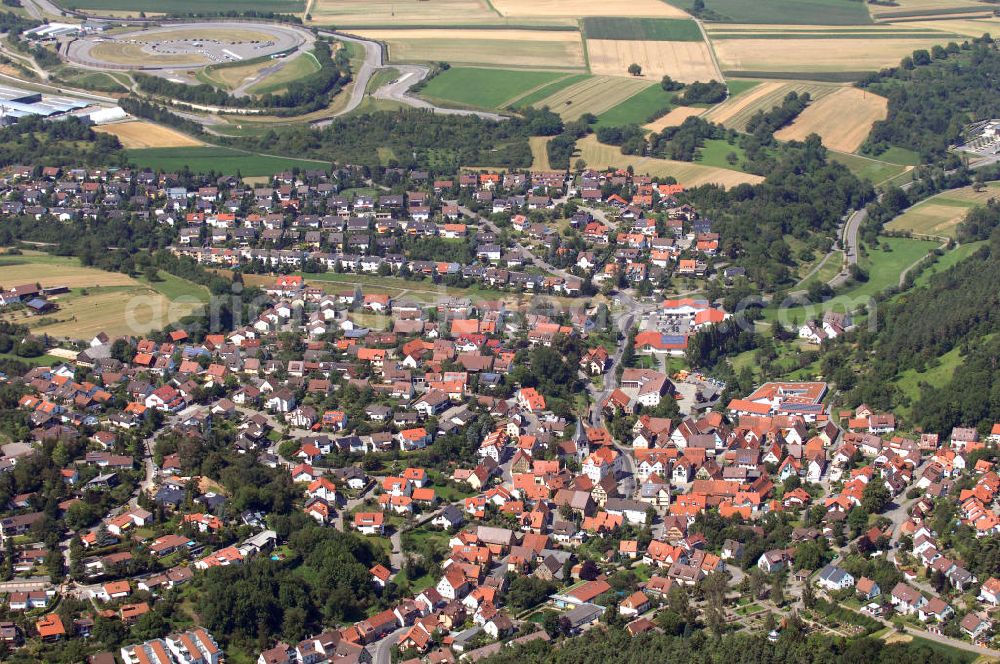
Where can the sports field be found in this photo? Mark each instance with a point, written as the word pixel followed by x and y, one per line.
pixel 809 12
pixel 736 111
pixel 221 160
pixel 577 8
pixel 600 156
pixel 940 215
pixel 405 12
pixel 141 134
pixel 814 55
pixel 98 300
pixel 486 88
pixel 674 118
pixel 842 119
pixel 542 49
pixel 645 29
pixel 596 95
pixel 685 61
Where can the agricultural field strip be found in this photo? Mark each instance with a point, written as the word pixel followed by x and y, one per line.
pixel 649 29
pixel 737 111
pixel 684 61
pixel 806 55
pixel 940 214
pixel 842 119
pixel 594 95
pixel 513 100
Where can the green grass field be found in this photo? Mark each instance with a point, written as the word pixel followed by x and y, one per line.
pixel 883 267
pixel 900 156
pixel 641 29
pixel 221 160
pixel 909 381
pixel 940 215
pixel 546 91
pixel 739 86
pixel 485 88
pixel 802 12
pixel 636 109
pixel 187 6
pixel 715 152
pixel 963 656
pixel 954 256
pixel 875 170
pixel 298 68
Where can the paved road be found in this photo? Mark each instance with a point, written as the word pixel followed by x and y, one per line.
pixel 381 651
pixel 410 75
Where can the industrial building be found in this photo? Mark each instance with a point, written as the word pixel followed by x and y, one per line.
pixel 16 103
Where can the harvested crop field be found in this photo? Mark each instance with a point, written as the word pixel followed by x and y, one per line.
pixel 684 61
pixel 965 27
pixel 578 8
pixel 940 215
pixel 411 12
pixel 592 95
pixel 815 55
pixel 928 8
pixel 600 156
pixel 539 152
pixel 674 118
pixel 551 49
pixel 842 119
pixel 98 300
pixel 139 134
pixel 736 111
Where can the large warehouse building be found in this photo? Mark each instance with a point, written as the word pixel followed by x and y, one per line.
pixel 16 103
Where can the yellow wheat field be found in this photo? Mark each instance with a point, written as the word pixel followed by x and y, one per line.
pixel 598 155
pixel 579 8
pixel 683 61
pixel 510 48
pixel 674 118
pixel 147 135
pixel 901 6
pixel 736 111
pixel 842 119
pixel 405 12
pixel 814 55
pixel 965 27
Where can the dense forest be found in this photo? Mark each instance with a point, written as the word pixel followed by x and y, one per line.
pixel 682 142
pixel 955 311
pixel 419 139
pixel 804 194
pixel 615 646
pixel 34 140
pixel 764 124
pixel 933 95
